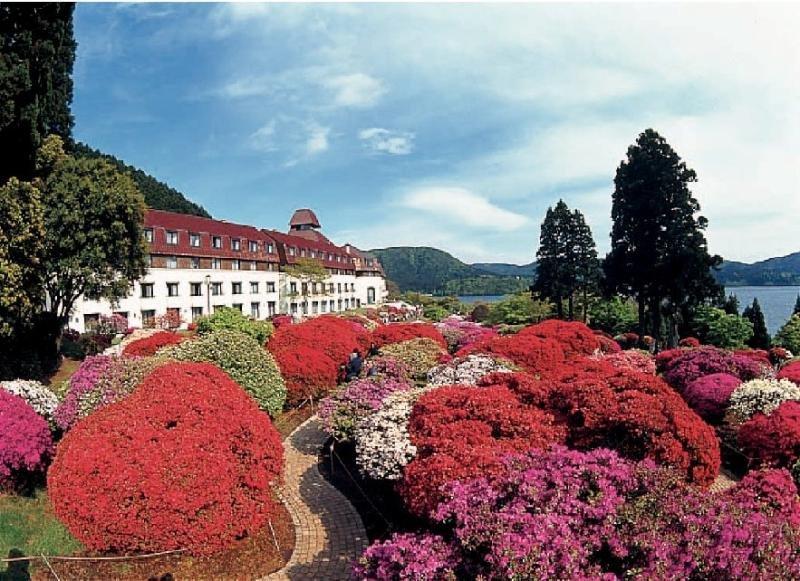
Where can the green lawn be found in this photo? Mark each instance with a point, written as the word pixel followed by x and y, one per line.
pixel 28 525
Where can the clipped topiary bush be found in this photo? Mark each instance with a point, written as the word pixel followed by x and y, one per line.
pixel 419 355
pixel 25 442
pixel 774 439
pixel 149 345
pixel 399 332
pixel 710 395
pixel 233 320
pixel 186 462
pixel 243 358
pixel 576 339
pixel 790 372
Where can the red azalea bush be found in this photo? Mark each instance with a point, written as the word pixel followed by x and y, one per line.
pixel 608 345
pixel 149 345
pixel 541 357
pixel 790 372
pixel 632 359
pixel 760 356
pixel 709 395
pixel 773 440
pixel 576 339
pixel 778 355
pixel 186 462
pixel 399 332
pixel 689 342
pixel 460 431
pixel 328 334
pixel 637 415
pixel 280 320
pixel 25 442
pixel 680 371
pixel 306 372
pixel 627 340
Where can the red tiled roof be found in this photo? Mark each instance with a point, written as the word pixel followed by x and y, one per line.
pixel 322 246
pixel 303 217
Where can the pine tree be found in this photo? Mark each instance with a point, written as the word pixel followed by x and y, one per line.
pixel 731 305
pixel 38 51
pixel 585 263
pixel 659 254
pixel 760 338
pixel 796 310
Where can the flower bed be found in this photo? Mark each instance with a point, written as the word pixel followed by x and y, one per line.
pixel 306 372
pixel 418 355
pixel 332 336
pixel 542 357
pixel 790 372
pixel 25 443
pixel 186 462
pixel 458 332
pixel 632 359
pixel 149 345
pixel 40 398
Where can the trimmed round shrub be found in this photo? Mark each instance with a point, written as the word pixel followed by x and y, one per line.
pixel 243 358
pixel 389 368
pixel 774 439
pixel 399 332
pixel 541 357
pixel 333 336
pixel 790 372
pixel 25 442
pixel 233 320
pixel 40 398
pixel 689 342
pixel 760 396
pixel 307 372
pixel 680 371
pixel 186 462
pixel 459 333
pixel 467 370
pixel 418 355
pixel 710 395
pixel 632 359
pixel 576 339
pixel 149 345
pixel 408 556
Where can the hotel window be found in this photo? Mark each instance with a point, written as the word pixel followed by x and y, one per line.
pixel 216 289
pixel 346 304
pixel 237 306
pixel 195 262
pixel 197 312
pixel 253 246
pixel 270 248
pixel 147 317
pixel 236 288
pixel 270 287
pixel 305 307
pixel 147 290
pixel 339 288
pixel 315 307
pixel 172 237
pixel 148 234
pixel 330 288
pixel 293 288
pixel 236 264
pixel 371 295
pixel 340 304
pixel 302 252
pixel 323 306
pixel 194 240
pixel 270 308
pixel 236 244
pixel 333 306
pixel 196 289
pixel 255 310
pixel 253 288
pixel 293 308
pixel 253 265
pixel 216 241
pixel 291 251
pixel 216 263
pixel 172 289
pixel 172 262
pixel 304 288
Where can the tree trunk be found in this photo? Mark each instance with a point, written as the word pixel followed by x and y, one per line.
pixel 642 322
pixel 571 304
pixel 559 307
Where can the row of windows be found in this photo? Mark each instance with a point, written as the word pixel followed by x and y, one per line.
pixel 196 289
pixel 320 288
pixel 310 253
pixel 255 311
pixel 216 263
pixel 323 306
pixel 173 237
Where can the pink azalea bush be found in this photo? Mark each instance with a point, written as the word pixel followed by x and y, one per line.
pixel 408 556
pixel 790 372
pixel 459 332
pixel 82 382
pixel 710 395
pixel 25 442
pixel 684 368
pixel 632 359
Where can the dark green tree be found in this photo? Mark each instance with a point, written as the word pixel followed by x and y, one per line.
pixel 585 263
pixel 731 305
pixel 760 338
pixel 38 50
pixel 796 310
pixel 659 254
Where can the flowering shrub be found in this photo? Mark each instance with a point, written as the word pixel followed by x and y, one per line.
pixel 459 431
pixel 689 342
pixel 576 339
pixel 328 334
pixel 341 412
pixel 467 370
pixel 399 332
pixel 694 363
pixel 43 401
pixel 408 556
pixel 418 355
pixel 710 395
pixel 608 345
pixel 459 332
pixel 761 396
pixel 760 356
pixel 233 320
pixel 778 355
pixel 796 474
pixel 539 356
pixel 637 415
pixel 25 442
pixel 149 345
pixel 244 359
pixel 307 373
pixel 790 372
pixel 383 446
pixel 627 340
pixel 186 462
pixel 773 439
pixel 631 359
pixel 280 320
pixel 81 382
pixel 390 368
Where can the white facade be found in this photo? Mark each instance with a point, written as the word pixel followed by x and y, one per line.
pixel 371 290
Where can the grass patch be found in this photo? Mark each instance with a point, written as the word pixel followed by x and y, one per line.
pixel 28 525
pixel 62 374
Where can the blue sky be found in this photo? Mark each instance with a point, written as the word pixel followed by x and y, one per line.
pixel 453 126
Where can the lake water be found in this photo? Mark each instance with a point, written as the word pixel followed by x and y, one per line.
pixel 776 302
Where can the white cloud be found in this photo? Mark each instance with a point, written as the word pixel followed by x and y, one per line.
pixel 317 139
pixel 463 206
pixel 381 140
pixel 355 90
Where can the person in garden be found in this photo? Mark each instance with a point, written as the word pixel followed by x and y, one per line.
pixel 354 365
pixel 373 350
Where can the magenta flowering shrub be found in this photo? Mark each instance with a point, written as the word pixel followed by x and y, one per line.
pixel 459 333
pixel 81 383
pixel 25 442
pixel 389 368
pixel 680 371
pixel 341 412
pixel 710 395
pixel 408 556
pixel 549 515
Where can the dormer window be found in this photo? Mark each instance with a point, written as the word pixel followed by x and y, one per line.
pixel 270 248
pixel 148 234
pixel 236 244
pixel 216 241
pixel 253 246
pixel 172 237
pixel 291 251
pixel 194 240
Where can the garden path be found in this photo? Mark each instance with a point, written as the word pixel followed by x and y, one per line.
pixel 329 533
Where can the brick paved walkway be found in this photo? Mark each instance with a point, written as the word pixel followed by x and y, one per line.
pixel 329 533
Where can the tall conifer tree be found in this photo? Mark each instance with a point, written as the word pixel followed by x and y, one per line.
pixel 760 338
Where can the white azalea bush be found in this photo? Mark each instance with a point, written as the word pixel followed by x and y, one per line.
pixel 467 370
pixel 761 396
pixel 383 446
pixel 40 398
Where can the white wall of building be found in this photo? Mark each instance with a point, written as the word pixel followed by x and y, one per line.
pixel 374 297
